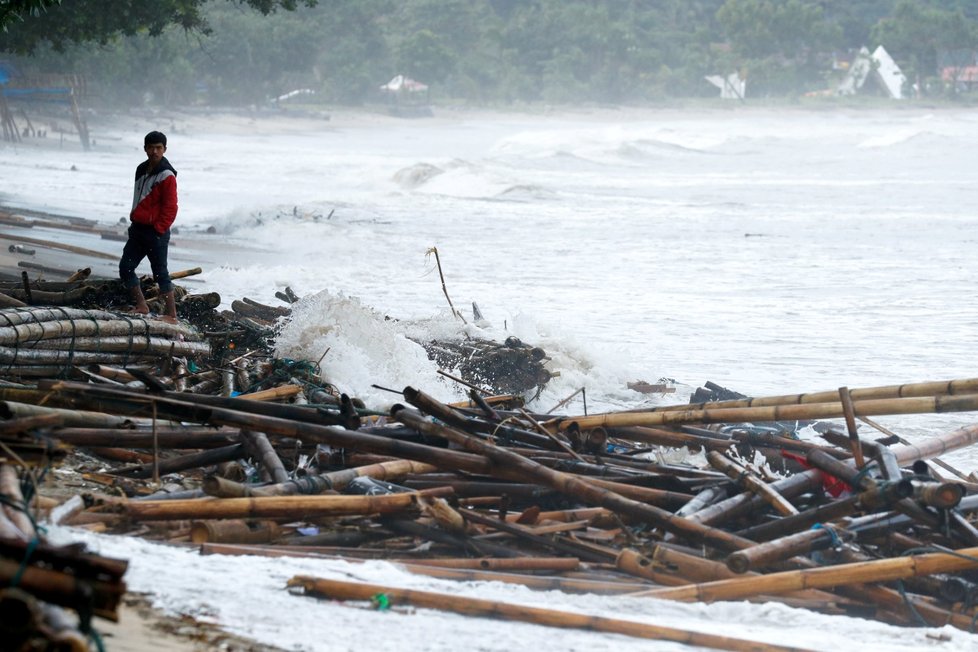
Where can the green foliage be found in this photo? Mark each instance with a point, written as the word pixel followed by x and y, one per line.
pixel 562 51
pixel 100 21
pixel 917 30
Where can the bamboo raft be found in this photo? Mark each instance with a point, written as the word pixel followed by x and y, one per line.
pixel 228 449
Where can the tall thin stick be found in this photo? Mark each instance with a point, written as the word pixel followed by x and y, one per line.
pixel 434 250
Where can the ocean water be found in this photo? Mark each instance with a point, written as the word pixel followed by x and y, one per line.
pixel 767 251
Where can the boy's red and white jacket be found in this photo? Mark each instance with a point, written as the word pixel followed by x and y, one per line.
pixel 154 199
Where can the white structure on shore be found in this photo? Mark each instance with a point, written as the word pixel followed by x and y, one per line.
pixel 878 66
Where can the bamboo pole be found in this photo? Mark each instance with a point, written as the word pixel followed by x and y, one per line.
pixel 533 582
pixel 295 507
pixel 339 590
pixel 881 570
pixel 273 393
pixel 263 451
pixel 929 388
pixel 560 564
pixel 936 446
pixel 190 461
pixel 793 485
pixel 125 438
pixel 826 410
pixel 777 550
pixel 63 247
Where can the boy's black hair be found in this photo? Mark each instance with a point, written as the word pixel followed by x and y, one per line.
pixel 154 137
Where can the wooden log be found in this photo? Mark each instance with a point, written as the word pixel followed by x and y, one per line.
pixel 293 507
pixel 882 570
pixel 571 485
pixel 339 590
pixel 827 410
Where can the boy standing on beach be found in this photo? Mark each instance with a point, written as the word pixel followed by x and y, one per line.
pixel 154 207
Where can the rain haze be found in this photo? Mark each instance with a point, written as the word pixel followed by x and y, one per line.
pixel 776 197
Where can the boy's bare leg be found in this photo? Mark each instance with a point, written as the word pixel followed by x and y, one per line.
pixel 138 301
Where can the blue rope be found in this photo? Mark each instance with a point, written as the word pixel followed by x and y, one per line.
pixel 31 546
pixel 836 541
pixel 857 480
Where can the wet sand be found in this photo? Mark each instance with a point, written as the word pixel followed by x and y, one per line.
pixel 141 628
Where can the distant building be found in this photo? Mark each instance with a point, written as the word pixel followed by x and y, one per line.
pixel 732 87
pixel 876 72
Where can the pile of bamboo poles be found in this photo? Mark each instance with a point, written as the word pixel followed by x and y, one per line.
pixel 47 342
pixel 40 583
pixel 490 490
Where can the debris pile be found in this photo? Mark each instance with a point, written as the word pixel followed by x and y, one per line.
pixel 195 434
pixel 489 490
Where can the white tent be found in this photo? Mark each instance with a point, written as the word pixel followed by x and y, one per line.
pixel 732 87
pixel 879 66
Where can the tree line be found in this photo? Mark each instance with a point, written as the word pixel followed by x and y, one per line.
pixel 173 52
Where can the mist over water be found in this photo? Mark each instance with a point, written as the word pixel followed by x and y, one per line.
pixel 770 252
